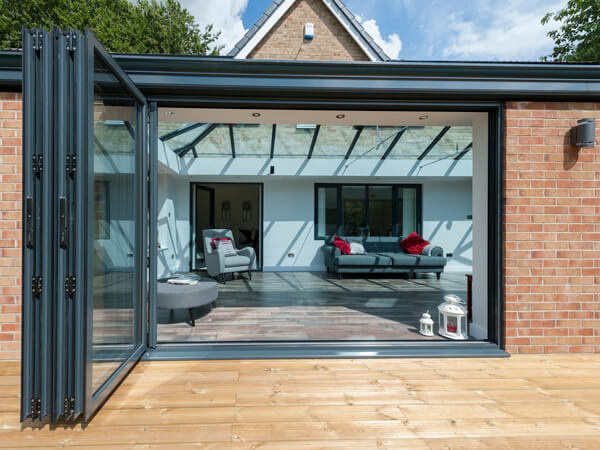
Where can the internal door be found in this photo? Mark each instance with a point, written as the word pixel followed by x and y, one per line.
pixel 204 217
pixel 85 225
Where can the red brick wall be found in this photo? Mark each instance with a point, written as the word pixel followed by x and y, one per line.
pixel 552 230
pixel 10 225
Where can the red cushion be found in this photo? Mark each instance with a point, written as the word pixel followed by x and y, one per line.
pixel 342 245
pixel 214 245
pixel 414 244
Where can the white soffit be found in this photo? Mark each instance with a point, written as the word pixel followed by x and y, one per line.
pixel 270 116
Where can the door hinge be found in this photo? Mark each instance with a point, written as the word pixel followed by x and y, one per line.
pixel 36 408
pixel 36 285
pixel 69 406
pixel 71 164
pixel 37 40
pixel 38 164
pixel 70 285
pixel 71 42
pixel 148 262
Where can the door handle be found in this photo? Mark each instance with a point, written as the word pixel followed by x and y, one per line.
pixel 64 228
pixel 29 226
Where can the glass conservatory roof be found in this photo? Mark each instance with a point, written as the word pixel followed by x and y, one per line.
pixel 316 141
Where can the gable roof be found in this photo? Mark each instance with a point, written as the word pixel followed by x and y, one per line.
pixel 279 7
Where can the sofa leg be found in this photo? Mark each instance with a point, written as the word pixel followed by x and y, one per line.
pixel 192 321
pixel 339 274
pixel 223 278
pixel 250 275
pixel 214 304
pixel 438 275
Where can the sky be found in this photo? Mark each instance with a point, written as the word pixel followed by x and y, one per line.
pixel 474 30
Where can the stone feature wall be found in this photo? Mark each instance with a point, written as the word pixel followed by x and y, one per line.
pixel 285 41
pixel 552 230
pixel 11 159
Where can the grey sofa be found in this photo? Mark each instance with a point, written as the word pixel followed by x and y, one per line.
pixel 217 264
pixel 384 255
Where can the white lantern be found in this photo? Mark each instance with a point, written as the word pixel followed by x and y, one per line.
pixel 453 318
pixel 426 325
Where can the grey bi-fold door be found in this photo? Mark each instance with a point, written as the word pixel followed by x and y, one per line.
pixel 85 225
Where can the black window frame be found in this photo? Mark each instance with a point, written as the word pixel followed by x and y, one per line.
pixel 395 216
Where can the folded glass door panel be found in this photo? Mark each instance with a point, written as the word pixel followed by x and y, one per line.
pixel 37 226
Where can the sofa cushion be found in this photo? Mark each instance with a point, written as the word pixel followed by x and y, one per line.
pixel 414 244
pixel 342 245
pixel 404 259
pixel 363 260
pixel 237 261
pixel 356 248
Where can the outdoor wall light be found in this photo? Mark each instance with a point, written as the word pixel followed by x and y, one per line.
pixel 340 116
pixel 424 117
pixel 584 133
pixel 256 114
pixel 170 113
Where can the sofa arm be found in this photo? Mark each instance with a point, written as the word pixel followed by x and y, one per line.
pixel 433 250
pixel 331 251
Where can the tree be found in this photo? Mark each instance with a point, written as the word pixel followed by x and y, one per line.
pixel 148 26
pixel 578 38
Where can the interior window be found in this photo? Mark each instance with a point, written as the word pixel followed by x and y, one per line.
pixel 367 210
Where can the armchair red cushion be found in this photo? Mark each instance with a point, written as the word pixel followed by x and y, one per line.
pixel 214 244
pixel 414 244
pixel 342 245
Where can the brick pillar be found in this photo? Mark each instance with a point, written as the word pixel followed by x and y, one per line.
pixel 552 230
pixel 11 155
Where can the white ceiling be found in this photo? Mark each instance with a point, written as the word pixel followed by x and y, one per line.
pixel 278 116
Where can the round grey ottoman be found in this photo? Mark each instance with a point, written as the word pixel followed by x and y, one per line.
pixel 178 296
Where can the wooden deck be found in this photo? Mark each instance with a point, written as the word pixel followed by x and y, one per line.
pixel 539 402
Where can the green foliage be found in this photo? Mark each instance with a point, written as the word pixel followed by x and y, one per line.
pixel 149 26
pixel 578 38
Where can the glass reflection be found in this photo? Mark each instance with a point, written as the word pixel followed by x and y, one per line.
pixel 114 227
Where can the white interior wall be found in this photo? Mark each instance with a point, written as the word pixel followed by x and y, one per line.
pixel 173 225
pixel 288 228
pixel 446 205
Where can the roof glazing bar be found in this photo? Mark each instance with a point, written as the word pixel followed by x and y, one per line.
pixel 354 141
pixel 273 140
pixel 232 140
pixel 180 131
pixel 464 152
pixel 129 129
pixel 186 148
pixel 433 143
pixel 314 141
pixel 394 142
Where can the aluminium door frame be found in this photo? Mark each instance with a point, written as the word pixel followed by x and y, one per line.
pixel 492 346
pixel 94 399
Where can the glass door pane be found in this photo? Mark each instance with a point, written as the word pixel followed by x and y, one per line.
pixel 408 212
pixel 115 244
pixel 380 211
pixel 116 164
pixel 354 207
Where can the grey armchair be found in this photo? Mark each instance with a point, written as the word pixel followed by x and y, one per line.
pixel 217 264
